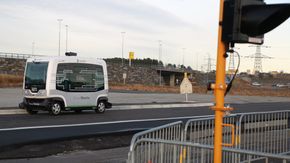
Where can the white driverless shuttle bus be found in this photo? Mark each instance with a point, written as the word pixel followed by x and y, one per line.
pixel 65 83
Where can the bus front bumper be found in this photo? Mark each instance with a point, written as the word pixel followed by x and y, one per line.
pixel 34 104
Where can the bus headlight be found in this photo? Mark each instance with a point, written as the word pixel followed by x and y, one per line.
pixel 42 93
pixel 26 92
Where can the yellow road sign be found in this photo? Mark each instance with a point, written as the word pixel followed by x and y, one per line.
pixel 131 55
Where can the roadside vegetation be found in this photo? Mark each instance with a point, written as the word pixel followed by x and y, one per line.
pixel 7 80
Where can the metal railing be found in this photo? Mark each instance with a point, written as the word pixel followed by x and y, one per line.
pixel 264 132
pixel 16 55
pixel 165 151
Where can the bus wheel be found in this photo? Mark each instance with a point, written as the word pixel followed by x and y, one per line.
pixel 101 107
pixel 55 108
pixel 29 111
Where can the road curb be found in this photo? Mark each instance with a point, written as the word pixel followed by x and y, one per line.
pixel 13 111
pixel 155 106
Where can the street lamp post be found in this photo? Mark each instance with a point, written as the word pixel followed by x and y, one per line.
pixel 59 21
pixel 160 54
pixel 33 44
pixel 183 53
pixel 66 38
pixel 123 36
pixel 196 61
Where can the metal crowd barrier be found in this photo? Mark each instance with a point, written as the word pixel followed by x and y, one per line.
pixel 172 131
pixel 264 132
pixel 165 151
pixel 202 130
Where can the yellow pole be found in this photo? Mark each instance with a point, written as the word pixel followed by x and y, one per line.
pixel 219 90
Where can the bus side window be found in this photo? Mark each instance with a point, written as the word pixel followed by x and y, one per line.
pixel 100 83
pixel 80 77
pixel 66 84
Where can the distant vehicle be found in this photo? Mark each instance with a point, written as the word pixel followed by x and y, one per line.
pixel 65 83
pixel 256 84
pixel 281 85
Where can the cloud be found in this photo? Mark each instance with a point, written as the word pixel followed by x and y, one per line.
pixel 124 14
pixel 95 26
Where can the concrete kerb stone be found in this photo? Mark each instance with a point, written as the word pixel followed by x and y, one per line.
pixel 155 106
pixel 11 111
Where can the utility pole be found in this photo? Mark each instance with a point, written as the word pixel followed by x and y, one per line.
pixel 59 21
pixel 258 60
pixel 209 66
pixel 258 56
pixel 231 67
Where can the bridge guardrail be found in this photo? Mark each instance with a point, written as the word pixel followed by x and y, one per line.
pixel 16 55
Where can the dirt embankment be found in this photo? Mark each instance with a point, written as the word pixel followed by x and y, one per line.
pixel 240 87
pixel 147 88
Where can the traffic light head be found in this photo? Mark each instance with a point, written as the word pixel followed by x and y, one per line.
pixel 246 21
pixel 260 19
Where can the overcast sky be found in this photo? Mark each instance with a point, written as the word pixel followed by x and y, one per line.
pixel 95 26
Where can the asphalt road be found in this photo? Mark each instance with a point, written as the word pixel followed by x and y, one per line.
pixel 44 119
pixel 18 129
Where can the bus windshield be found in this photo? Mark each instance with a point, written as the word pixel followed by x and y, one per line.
pixel 35 75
